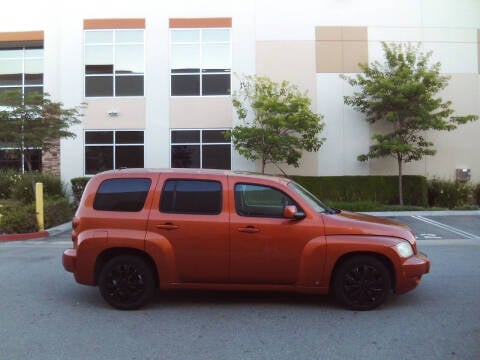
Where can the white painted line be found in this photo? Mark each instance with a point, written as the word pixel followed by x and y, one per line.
pixel 447 227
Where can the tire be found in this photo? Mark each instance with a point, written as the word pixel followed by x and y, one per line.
pixel 362 283
pixel 126 282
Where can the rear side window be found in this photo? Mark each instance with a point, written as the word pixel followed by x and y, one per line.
pixel 122 195
pixel 191 197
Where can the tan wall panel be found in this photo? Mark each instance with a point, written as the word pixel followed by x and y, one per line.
pixel 131 114
pixel 200 22
pixel 293 61
pixel 354 33
pixel 353 53
pixel 201 112
pixel 114 24
pixel 21 36
pixel 329 56
pixel 328 33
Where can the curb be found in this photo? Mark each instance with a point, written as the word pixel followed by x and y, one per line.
pixel 36 235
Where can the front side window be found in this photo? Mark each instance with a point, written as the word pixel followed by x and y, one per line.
pixel 200 63
pixel 191 197
pixel 205 149
pixel 127 195
pixel 114 63
pixel 113 149
pixel 260 201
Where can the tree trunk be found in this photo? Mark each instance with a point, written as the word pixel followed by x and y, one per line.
pixel 400 180
pixel 264 161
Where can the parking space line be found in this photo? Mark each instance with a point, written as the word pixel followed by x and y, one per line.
pixel 446 227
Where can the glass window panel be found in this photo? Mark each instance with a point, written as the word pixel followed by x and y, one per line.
pixel 185 136
pixel 122 195
pixel 258 200
pixel 129 36
pixel 33 71
pixel 185 56
pixel 185 156
pixel 99 37
pixel 12 88
pixel 129 137
pixel 98 69
pixel 99 137
pixel 34 53
pixel 216 56
pixel 11 54
pixel 11 72
pixel 98 86
pixel 99 55
pixel 31 89
pixel 185 85
pixel 129 157
pixel 177 197
pixel 216 84
pixel 129 59
pixel 129 86
pixel 185 35
pixel 216 35
pixel 214 136
pixel 98 158
pixel 216 157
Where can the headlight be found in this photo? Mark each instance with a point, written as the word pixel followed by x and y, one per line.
pixel 404 249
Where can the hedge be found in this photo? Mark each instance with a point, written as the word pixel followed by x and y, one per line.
pixel 379 189
pixel 78 185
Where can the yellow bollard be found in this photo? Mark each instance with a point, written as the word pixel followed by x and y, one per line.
pixel 39 205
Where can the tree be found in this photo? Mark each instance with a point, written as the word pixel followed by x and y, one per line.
pixel 278 123
pixel 403 92
pixel 33 122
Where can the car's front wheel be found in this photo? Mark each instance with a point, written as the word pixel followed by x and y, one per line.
pixel 362 282
pixel 126 282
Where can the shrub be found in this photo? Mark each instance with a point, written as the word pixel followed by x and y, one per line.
pixel 57 211
pixel 78 186
pixel 8 178
pixel 449 194
pixel 476 194
pixel 376 189
pixel 22 189
pixel 18 218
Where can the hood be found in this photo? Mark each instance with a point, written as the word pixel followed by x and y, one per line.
pixel 348 223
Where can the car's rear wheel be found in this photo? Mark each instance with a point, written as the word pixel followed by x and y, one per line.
pixel 126 282
pixel 362 282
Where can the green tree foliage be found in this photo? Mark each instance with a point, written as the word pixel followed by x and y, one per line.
pixel 32 121
pixel 403 92
pixel 278 123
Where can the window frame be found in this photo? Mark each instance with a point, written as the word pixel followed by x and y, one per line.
pixel 200 143
pixel 113 145
pixel 202 70
pixel 114 76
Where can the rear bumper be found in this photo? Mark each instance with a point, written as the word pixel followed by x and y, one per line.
pixel 69 260
pixel 411 272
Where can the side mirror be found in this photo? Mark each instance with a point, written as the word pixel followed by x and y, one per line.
pixel 291 212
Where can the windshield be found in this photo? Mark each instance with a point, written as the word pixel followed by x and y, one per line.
pixel 308 197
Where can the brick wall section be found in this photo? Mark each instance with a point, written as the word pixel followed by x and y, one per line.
pixel 51 160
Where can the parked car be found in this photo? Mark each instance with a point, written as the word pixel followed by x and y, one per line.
pixel 141 229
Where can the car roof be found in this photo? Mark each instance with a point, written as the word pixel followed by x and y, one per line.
pixel 240 174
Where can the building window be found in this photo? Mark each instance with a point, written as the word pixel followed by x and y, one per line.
pixel 21 69
pixel 200 63
pixel 114 63
pixel 113 149
pixel 205 149
pixel 21 66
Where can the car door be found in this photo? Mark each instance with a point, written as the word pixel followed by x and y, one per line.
pixel 192 214
pixel 266 247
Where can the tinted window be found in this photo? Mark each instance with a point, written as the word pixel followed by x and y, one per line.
pixel 259 200
pixel 191 197
pixel 122 195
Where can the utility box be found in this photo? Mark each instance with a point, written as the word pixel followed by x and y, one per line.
pixel 463 175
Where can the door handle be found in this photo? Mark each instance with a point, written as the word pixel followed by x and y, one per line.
pixel 249 229
pixel 167 226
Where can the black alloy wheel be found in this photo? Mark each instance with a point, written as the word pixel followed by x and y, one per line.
pixel 362 283
pixel 126 282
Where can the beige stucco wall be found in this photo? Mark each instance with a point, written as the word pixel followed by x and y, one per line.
pixel 293 61
pixel 200 112
pixel 130 113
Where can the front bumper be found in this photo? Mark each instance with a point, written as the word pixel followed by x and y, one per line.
pixel 69 260
pixel 411 272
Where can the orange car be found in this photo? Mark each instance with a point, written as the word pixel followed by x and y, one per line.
pixel 137 230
